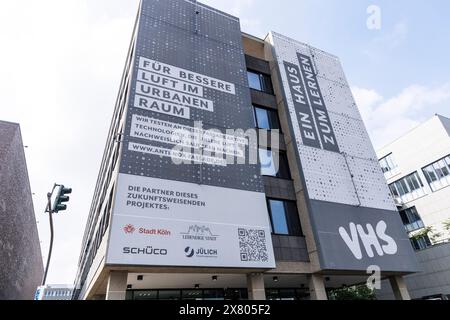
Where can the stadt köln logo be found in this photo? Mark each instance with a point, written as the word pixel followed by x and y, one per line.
pixel 129 228
pixel 201 233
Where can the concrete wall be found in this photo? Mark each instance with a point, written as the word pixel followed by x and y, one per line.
pixel 21 266
pixel 446 123
pixel 434 280
pixel 286 248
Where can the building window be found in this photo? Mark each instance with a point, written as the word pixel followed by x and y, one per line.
pixel 259 81
pixel 266 118
pixel 438 174
pixel 145 295
pixel 188 294
pixel 421 242
pixel 406 185
pixel 169 294
pixel 387 163
pixel 269 166
pixel 411 219
pixel 284 217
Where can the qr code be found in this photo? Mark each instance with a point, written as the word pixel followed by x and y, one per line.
pixel 252 244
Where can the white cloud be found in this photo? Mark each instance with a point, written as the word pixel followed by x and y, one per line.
pixel 387 119
pixel 396 37
pixel 61 64
pixel 386 43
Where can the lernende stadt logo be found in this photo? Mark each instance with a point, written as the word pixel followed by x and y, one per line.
pixel 196 232
pixel 129 228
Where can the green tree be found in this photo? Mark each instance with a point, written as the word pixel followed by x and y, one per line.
pixel 361 292
pixel 447 225
pixel 428 231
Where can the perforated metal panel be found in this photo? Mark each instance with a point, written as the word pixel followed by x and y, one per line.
pixel 326 176
pixel 352 137
pixel 370 184
pixel 338 98
pixel 353 176
pixel 328 66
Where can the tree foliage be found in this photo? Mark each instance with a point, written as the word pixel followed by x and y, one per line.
pixel 361 292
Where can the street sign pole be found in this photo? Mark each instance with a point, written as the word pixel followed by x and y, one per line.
pixel 50 216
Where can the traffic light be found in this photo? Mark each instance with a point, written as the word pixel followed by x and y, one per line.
pixel 61 198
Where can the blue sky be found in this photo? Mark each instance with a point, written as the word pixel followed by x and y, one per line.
pixel 399 74
pixel 412 45
pixel 62 63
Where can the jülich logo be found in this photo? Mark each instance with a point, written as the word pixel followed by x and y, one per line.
pixel 369 239
pixel 189 252
pixel 196 232
pixel 200 252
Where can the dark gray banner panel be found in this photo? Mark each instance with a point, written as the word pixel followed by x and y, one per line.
pixel 308 129
pixel 353 238
pixel 352 214
pixel 178 201
pixel 321 117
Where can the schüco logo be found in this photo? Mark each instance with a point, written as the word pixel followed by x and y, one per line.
pixel 129 229
pixel 148 250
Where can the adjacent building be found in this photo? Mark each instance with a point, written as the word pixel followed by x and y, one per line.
pixel 54 292
pixel 235 168
pixel 417 169
pixel 21 266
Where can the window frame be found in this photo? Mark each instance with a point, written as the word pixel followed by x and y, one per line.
pixel 290 227
pixel 391 164
pixel 269 119
pixel 250 82
pixel 265 81
pixel 282 154
pixel 416 243
pixel 437 171
pixel 414 221
pixel 403 186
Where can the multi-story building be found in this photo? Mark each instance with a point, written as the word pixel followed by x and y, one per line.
pixel 21 266
pixel 417 169
pixel 54 292
pixel 183 208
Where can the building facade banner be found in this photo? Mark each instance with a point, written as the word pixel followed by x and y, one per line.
pixel 178 201
pixel 353 216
